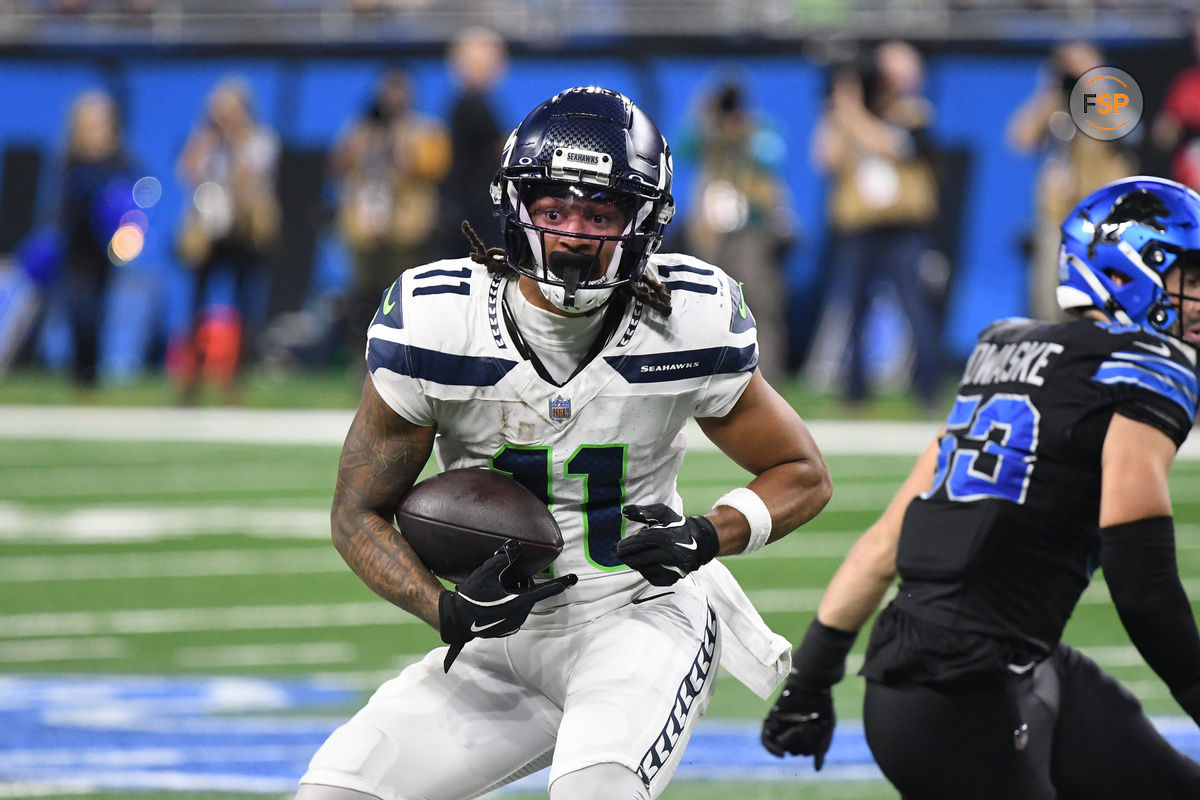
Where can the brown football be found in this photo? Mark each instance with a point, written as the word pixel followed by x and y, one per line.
pixel 456 519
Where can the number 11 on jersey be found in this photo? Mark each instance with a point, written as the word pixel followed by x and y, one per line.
pixel 602 470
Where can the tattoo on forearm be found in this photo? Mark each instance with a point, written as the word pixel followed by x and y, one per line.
pixel 380 460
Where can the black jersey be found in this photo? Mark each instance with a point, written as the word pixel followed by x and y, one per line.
pixel 993 559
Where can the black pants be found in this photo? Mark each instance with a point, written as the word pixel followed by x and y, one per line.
pixel 1065 730
pixel 88 289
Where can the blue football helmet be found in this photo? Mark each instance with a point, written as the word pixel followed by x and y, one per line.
pixel 1117 244
pixel 587 143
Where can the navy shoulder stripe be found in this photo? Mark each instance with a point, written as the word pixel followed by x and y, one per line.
pixel 465 272
pixel 683 364
pixel 435 366
pixel 443 288
pixel 1157 374
pixel 688 286
pixel 665 270
pixel 462 286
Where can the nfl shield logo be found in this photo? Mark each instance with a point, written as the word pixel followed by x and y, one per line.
pixel 560 409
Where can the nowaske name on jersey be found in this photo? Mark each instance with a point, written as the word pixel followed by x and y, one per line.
pixel 1017 361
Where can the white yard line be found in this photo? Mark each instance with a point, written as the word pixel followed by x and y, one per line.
pixel 161 780
pixel 154 523
pixel 62 649
pixel 239 426
pixel 282 427
pixel 36 625
pixel 185 620
pixel 160 565
pixel 266 655
pixel 328 427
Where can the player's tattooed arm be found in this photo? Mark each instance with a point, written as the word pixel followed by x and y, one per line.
pixel 381 459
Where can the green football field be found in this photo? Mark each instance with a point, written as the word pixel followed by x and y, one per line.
pixel 165 560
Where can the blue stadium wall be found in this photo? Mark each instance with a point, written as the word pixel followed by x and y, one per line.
pixel 308 98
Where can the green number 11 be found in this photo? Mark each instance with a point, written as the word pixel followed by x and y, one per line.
pixel 602 470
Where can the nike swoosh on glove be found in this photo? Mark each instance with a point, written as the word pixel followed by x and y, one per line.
pixel 670 546
pixel 801 723
pixel 489 604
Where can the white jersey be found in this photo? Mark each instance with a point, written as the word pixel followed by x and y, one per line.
pixel 442 354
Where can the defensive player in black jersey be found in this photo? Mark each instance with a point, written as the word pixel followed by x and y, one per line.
pixel 1053 462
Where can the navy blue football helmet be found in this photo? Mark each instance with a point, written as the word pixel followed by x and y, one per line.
pixel 1117 244
pixel 592 144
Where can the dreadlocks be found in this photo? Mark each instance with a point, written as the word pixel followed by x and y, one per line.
pixel 491 257
pixel 646 289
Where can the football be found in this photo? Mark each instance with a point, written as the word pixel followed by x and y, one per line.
pixel 456 519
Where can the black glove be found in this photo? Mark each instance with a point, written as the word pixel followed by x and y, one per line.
pixel 671 547
pixel 801 723
pixel 489 604
pixel 802 720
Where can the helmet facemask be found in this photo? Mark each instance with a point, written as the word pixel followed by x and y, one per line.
pixel 581 278
pixel 1176 319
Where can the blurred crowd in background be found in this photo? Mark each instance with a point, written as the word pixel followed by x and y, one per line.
pixel 877 216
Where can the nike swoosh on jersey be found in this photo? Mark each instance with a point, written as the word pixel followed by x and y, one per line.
pixel 742 309
pixel 388 302
pixel 1158 349
pixel 476 627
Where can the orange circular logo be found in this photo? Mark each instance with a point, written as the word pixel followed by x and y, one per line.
pixel 1106 103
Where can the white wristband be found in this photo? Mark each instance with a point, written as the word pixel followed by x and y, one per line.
pixel 754 510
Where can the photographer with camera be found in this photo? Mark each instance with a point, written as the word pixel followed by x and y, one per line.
pixel 741 210
pixel 872 140
pixel 1073 165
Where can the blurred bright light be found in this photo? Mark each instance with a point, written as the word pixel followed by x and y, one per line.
pixel 209 197
pixel 215 207
pixel 126 244
pixel 135 217
pixel 1061 126
pixel 147 191
pixel 725 208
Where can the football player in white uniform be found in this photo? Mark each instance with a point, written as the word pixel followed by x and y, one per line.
pixel 569 359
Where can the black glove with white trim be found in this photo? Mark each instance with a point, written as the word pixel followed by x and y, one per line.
pixel 489 604
pixel 670 547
